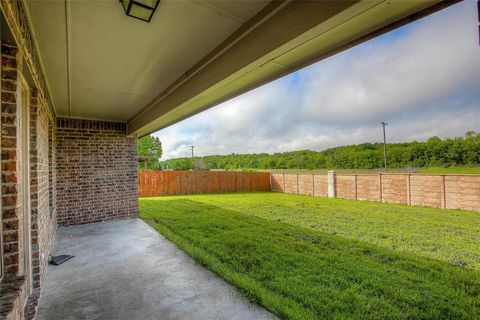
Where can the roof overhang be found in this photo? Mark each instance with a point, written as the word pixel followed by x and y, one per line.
pixel 101 64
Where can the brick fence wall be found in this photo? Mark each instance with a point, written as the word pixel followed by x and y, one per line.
pixel 96 172
pixel 439 191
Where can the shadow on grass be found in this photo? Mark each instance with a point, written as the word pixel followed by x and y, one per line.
pixel 301 274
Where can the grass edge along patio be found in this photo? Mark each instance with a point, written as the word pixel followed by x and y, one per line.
pixel 312 258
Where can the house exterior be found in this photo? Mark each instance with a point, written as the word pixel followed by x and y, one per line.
pixel 81 81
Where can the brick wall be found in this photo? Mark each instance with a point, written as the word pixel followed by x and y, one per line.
pixel 96 172
pixel 11 211
pixel 291 183
pixel 43 182
pixel 368 187
pixel 438 191
pixel 277 182
pixel 98 175
pixel 426 190
pixel 320 186
pixel 345 187
pixel 309 184
pixel 12 287
pixel 305 184
pixel 395 188
pixel 462 192
pixel 12 290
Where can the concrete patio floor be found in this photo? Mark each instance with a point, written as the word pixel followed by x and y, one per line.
pixel 126 270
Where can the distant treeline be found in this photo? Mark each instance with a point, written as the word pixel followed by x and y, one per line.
pixel 433 152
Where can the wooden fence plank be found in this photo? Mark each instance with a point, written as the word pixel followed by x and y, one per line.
pixel 162 183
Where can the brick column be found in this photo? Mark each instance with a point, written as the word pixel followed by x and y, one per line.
pixel 11 213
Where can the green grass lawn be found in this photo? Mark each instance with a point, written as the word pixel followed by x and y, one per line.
pixel 431 170
pixel 452 170
pixel 312 258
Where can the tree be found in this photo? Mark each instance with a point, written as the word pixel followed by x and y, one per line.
pixel 150 147
pixel 433 152
pixel 199 164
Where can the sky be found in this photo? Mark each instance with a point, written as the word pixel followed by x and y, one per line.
pixel 422 79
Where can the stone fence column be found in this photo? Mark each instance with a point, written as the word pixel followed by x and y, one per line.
pixel 331 184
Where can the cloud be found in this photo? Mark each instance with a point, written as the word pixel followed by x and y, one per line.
pixel 423 79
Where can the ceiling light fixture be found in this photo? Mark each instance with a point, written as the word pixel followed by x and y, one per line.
pixel 140 9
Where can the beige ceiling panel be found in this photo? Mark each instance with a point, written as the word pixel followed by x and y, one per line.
pixel 60 97
pixel 48 17
pixel 118 64
pixel 111 51
pixel 237 10
pixel 91 103
pixel 54 58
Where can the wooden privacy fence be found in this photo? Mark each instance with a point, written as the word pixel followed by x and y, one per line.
pixel 163 183
pixel 440 191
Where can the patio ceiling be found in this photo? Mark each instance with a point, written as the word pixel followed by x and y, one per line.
pixel 101 64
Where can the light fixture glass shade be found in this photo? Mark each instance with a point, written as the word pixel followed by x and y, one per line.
pixel 140 12
pixel 148 3
pixel 125 4
pixel 140 9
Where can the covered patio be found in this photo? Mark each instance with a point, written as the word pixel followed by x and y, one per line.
pixel 126 270
pixel 81 82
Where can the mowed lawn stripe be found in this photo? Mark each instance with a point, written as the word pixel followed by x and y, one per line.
pixel 303 274
pixel 448 235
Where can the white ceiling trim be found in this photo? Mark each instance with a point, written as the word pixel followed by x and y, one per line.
pixel 68 55
pixel 37 49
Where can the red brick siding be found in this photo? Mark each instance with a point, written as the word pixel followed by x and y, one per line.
pixel 395 188
pixel 12 218
pixel 12 290
pixel 42 177
pixel 96 172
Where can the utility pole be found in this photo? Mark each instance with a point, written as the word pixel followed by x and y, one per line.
pixel 193 162
pixel 384 146
pixel 191 147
